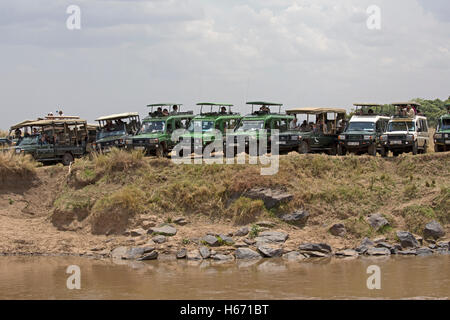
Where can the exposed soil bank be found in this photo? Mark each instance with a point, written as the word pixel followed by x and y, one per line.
pixel 92 208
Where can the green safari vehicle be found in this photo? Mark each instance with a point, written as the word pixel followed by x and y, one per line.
pixel 320 135
pixel 202 130
pixel 442 135
pixel 115 129
pixel 155 134
pixel 363 132
pixel 55 140
pixel 250 130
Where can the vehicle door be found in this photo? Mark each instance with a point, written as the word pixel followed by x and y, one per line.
pixel 170 127
pixel 419 131
pixel 44 151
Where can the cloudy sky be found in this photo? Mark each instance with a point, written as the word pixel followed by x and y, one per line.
pixel 297 52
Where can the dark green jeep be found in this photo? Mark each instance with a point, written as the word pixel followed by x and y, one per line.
pixel 155 134
pixel 442 135
pixel 55 140
pixel 204 128
pixel 115 129
pixel 260 124
pixel 364 130
pixel 321 134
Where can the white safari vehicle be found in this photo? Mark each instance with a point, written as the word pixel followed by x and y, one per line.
pixel 406 132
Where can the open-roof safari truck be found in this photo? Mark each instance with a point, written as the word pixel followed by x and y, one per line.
pixel 442 135
pixel 260 124
pixel 115 129
pixel 364 130
pixel 155 134
pixel 213 118
pixel 407 131
pixel 55 139
pixel 319 128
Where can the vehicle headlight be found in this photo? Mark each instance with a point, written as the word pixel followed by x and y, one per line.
pixel 341 137
pixel 410 137
pixel 295 138
pixel 154 141
pixel 368 137
pixel 438 136
pixel 116 142
pixel 18 151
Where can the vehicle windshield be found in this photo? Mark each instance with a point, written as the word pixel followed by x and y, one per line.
pixel 200 125
pixel 153 127
pixel 112 131
pixel 361 126
pixel 445 124
pixel 401 126
pixel 250 125
pixel 29 141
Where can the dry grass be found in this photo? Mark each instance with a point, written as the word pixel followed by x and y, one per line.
pixel 333 189
pixel 13 166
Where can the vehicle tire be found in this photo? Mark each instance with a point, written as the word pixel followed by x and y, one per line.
pixel 383 152
pixel 303 148
pixel 436 148
pixel 395 153
pixel 161 151
pixel 372 150
pixel 67 159
pixel 341 150
pixel 415 148
pixel 333 150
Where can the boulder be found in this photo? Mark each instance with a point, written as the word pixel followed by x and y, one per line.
pixel 270 197
pixel 377 221
pixel 246 253
pixel 180 221
pixel 293 256
pixel 181 254
pixel 159 239
pixel 315 254
pixel 347 253
pixel 242 232
pixel 137 232
pixel 433 230
pixel 270 251
pixel 165 230
pixel 119 252
pixel 338 230
pixel 250 242
pixel 411 252
pixel 150 256
pixel 424 251
pixel 194 255
pixel 272 237
pixel 384 245
pixel 222 257
pixel 298 218
pixel 226 239
pixel 407 240
pixel 204 252
pixel 133 253
pixel 318 247
pixel 378 252
pixel 240 245
pixel 211 241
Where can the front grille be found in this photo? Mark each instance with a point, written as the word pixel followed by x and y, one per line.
pixel 140 141
pixel 401 137
pixel 354 137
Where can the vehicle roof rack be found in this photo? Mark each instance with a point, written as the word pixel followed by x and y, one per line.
pixel 118 116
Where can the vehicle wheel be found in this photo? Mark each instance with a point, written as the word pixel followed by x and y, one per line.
pixel 161 152
pixel 67 159
pixel 341 150
pixel 415 148
pixel 436 148
pixel 333 150
pixel 372 150
pixel 383 152
pixel 303 148
pixel 395 153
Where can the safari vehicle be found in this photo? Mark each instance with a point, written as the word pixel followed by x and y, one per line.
pixel 155 134
pixel 115 129
pixel 202 128
pixel 442 135
pixel 55 140
pixel 405 133
pixel 362 134
pixel 15 132
pixel 250 128
pixel 320 135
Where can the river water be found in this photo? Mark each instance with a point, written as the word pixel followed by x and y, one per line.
pixel 401 278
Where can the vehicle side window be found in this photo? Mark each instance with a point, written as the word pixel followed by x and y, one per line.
pixel 425 126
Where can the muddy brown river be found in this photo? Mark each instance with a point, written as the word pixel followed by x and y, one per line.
pixel 401 278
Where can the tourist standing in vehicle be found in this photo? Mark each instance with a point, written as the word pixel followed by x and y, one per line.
pixel 175 109
pixel 293 124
